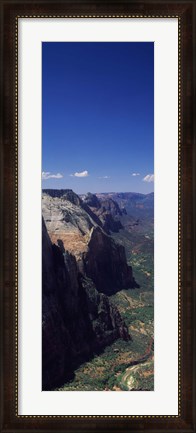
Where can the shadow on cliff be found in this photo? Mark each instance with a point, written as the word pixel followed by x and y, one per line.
pixel 78 321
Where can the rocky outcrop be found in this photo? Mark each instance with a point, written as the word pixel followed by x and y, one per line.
pixel 136 204
pixel 67 221
pixel 77 320
pixel 105 262
pixel 98 256
pixel 107 210
pixel 109 205
pixel 72 197
pixel 67 194
pixel 92 200
pixel 109 223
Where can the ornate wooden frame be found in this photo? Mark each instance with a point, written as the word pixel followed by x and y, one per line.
pixel 185 11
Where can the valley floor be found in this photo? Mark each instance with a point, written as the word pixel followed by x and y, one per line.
pixel 125 365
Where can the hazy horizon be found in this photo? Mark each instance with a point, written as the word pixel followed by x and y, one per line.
pixel 98 192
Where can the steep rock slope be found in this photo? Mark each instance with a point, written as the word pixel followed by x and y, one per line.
pixel 107 210
pixel 77 321
pixel 67 222
pixel 72 227
pixel 105 262
pixel 136 204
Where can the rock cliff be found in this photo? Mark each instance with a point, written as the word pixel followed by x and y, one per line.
pixel 107 210
pixel 77 320
pixel 70 224
pixel 105 262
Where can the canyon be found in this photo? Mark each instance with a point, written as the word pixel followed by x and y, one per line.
pixel 81 265
pixel 85 279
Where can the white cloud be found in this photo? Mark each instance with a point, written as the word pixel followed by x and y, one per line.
pixel 47 175
pixel 80 174
pixel 135 174
pixel 149 178
pixel 104 177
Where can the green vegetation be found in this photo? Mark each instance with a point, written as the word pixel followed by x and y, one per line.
pixel 127 365
pixel 138 378
pixel 145 315
pixel 140 253
pixel 103 372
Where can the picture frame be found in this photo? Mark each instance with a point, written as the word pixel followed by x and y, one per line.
pixel 11 11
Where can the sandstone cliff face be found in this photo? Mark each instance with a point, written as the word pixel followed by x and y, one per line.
pixel 77 320
pixel 107 210
pixel 105 262
pixel 72 226
pixel 68 220
pixel 67 194
pixel 92 201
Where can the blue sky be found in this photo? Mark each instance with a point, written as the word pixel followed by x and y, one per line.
pixel 98 116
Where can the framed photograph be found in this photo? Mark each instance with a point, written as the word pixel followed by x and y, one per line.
pixel 98 210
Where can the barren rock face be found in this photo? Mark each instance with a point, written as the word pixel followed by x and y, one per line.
pixel 92 201
pixel 67 222
pixel 105 262
pixel 77 320
pixel 74 228
pixel 107 210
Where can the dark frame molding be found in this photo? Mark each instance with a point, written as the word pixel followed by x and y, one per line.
pixel 185 10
